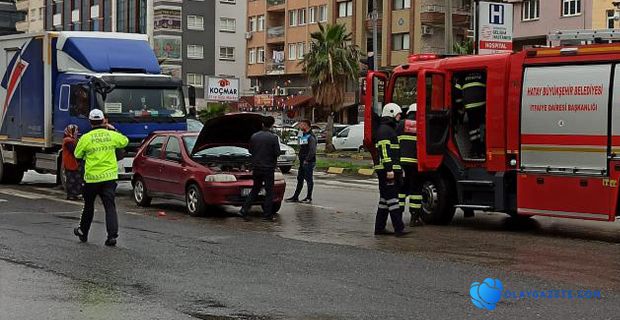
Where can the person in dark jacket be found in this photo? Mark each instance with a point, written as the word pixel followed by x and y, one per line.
pixel 307 161
pixel 389 172
pixel 265 150
pixel 73 172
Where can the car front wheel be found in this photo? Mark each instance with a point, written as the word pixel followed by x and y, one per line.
pixel 194 201
pixel 140 195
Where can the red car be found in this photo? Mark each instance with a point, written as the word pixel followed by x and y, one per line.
pixel 204 169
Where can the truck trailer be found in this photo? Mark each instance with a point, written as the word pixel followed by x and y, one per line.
pixel 52 79
pixel 551 131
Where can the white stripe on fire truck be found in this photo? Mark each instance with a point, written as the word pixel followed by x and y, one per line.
pixel 564 213
pixel 563 148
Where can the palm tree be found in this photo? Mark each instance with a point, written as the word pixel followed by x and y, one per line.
pixel 332 61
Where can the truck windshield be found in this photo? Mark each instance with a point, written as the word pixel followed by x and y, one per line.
pixel 405 90
pixel 144 102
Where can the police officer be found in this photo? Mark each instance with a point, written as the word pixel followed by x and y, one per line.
pixel 98 149
pixel 472 95
pixel 388 171
pixel 410 189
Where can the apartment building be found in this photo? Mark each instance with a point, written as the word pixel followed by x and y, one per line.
pixel 34 15
pixel 534 19
pixel 97 15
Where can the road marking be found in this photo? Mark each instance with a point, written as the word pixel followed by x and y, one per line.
pixel 4 200
pixel 35 196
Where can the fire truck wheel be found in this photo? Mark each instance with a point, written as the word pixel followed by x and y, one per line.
pixel 437 201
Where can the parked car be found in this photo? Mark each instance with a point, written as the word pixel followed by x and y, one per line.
pixel 204 169
pixel 350 138
pixel 285 161
pixel 321 132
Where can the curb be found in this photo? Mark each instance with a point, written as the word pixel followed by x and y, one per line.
pixel 361 172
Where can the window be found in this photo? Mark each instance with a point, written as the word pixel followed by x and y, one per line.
pixel 405 90
pixel 344 133
pixel 571 8
pixel 261 23
pixel 227 53
pixel 323 13
pixel 79 105
pixel 345 9
pixel 194 79
pixel 173 149
pixel 195 23
pixel 610 19
pixel 400 41
pixel 530 10
pixel 292 18
pixel 228 24
pixel 300 51
pixel 261 55
pixel 252 56
pixel 228 1
pixel 312 15
pixel 195 51
pixel 402 4
pixel 292 51
pixel 301 13
pixel 252 24
pixel 155 147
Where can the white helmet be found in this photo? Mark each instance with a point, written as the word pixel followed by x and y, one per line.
pixel 412 108
pixel 391 110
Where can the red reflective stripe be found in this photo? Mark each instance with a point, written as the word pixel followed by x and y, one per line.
pixel 615 140
pixel 566 140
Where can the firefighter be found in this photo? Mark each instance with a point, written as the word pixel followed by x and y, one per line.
pixel 410 189
pixel 472 95
pixel 389 172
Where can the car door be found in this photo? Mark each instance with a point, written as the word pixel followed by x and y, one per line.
pixel 152 164
pixel 173 168
pixel 340 142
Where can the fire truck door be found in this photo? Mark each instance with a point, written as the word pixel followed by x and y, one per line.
pixel 433 121
pixel 564 160
pixel 372 111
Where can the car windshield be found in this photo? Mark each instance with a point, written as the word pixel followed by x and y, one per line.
pixel 144 102
pixel 219 151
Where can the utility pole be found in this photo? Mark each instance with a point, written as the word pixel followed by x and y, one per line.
pixel 449 39
pixel 375 50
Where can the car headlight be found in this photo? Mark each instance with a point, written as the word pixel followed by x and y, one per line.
pixel 221 178
pixel 278 176
pixel 290 152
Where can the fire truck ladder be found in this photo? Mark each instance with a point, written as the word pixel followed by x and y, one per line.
pixel 584 36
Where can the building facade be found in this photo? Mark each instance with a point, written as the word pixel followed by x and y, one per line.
pixel 34 15
pixel 97 15
pixel 9 17
pixel 534 19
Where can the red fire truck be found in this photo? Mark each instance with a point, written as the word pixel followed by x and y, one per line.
pixel 552 131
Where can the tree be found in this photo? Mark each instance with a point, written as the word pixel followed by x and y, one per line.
pixel 465 47
pixel 213 110
pixel 332 61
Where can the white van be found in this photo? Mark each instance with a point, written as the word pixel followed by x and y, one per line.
pixel 350 138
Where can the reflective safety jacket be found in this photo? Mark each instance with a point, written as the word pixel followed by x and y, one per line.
pixel 388 154
pixel 98 149
pixel 472 89
pixel 408 141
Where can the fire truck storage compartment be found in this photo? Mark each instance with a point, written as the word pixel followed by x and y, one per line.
pixel 564 142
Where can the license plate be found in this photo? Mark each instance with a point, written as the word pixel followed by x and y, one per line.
pixel 246 192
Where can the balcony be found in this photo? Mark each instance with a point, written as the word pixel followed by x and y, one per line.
pixel 22 5
pixel 276 5
pixel 275 34
pixel 275 68
pixel 22 26
pixel 434 15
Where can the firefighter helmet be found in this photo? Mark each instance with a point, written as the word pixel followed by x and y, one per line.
pixel 412 108
pixel 391 110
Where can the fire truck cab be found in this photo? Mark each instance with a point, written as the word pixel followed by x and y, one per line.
pixel 551 131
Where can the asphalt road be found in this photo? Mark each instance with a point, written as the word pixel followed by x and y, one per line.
pixel 317 261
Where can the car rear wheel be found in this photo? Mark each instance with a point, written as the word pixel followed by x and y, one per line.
pixel 140 195
pixel 194 201
pixel 286 169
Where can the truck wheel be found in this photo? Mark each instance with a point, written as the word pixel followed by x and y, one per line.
pixel 10 173
pixel 140 194
pixel 437 200
pixel 194 201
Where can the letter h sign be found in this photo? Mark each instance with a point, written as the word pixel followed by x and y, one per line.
pixel 496 13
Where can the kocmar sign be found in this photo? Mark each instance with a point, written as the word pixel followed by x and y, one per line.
pixel 494 27
pixel 222 89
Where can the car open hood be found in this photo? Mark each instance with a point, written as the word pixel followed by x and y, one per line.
pixel 230 129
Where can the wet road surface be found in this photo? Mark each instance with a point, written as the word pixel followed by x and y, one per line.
pixel 317 261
